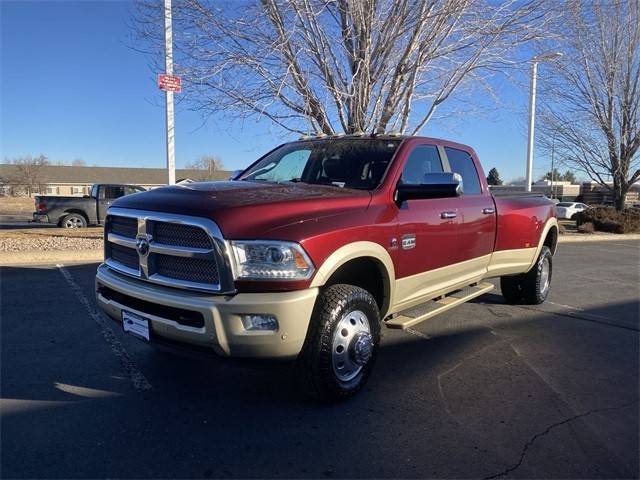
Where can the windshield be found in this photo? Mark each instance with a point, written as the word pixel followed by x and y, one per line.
pixel 350 163
pixel 564 204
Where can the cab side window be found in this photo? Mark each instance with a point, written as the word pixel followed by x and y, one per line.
pixel 113 191
pixel 462 164
pixel 424 159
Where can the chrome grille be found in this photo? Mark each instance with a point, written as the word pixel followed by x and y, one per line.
pixel 180 235
pixel 168 249
pixel 125 226
pixel 200 270
pixel 126 256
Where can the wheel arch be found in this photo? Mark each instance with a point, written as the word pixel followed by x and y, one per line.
pixel 69 211
pixel 77 211
pixel 364 264
pixel 548 238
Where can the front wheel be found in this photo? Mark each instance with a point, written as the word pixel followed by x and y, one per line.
pixel 341 344
pixel 531 288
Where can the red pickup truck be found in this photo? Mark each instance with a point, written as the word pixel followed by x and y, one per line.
pixel 307 253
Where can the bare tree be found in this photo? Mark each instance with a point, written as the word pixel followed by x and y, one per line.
pixel 593 97
pixel 339 65
pixel 29 173
pixel 78 162
pixel 208 165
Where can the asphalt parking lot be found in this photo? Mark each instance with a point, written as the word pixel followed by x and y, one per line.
pixel 487 390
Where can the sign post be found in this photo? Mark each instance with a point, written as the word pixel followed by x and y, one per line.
pixel 168 62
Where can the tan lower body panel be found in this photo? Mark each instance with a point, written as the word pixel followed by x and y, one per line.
pixel 437 307
pixel 413 290
pixel 223 330
pixel 507 262
pixel 417 289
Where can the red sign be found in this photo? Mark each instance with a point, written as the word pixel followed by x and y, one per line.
pixel 169 83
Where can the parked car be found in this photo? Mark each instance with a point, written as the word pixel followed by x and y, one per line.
pixel 569 210
pixel 79 212
pixel 316 247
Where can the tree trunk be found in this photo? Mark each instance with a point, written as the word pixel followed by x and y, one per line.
pixel 620 196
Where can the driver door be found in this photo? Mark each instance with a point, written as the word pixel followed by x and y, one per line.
pixel 428 230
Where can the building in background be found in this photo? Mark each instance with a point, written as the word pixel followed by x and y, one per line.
pixel 591 193
pixel 563 191
pixel 77 181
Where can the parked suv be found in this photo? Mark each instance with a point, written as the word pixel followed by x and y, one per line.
pixel 317 246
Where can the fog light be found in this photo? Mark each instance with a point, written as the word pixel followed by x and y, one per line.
pixel 259 322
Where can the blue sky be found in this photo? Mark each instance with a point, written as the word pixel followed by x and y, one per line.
pixel 71 87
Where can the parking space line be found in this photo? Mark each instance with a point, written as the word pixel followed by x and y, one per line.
pixel 138 380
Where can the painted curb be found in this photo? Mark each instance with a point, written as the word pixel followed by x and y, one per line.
pixel 585 237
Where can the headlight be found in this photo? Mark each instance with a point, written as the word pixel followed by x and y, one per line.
pixel 270 260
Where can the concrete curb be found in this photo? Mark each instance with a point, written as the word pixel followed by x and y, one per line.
pixel 49 257
pixel 585 237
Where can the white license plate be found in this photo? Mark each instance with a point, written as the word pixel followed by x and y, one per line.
pixel 136 325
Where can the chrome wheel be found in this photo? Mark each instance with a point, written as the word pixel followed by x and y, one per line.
pixel 73 222
pixel 352 345
pixel 545 276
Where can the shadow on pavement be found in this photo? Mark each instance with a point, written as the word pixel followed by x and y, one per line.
pixel 464 403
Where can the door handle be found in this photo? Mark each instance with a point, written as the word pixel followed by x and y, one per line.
pixel 445 215
pixel 489 211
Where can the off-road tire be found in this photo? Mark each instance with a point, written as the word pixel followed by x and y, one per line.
pixel 315 376
pixel 529 288
pixel 74 218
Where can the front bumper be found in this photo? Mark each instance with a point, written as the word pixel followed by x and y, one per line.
pixel 40 217
pixel 222 328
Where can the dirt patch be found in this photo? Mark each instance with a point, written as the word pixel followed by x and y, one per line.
pixel 37 240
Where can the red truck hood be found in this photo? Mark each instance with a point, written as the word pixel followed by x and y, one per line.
pixel 250 209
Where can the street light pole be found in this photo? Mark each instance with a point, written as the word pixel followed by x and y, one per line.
pixel 168 62
pixel 532 111
pixel 532 120
pixel 553 151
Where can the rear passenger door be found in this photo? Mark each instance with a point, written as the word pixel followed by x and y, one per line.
pixel 476 215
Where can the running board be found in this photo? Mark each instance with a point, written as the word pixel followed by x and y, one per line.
pixel 412 316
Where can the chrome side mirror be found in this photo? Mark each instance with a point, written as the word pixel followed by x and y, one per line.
pixel 434 185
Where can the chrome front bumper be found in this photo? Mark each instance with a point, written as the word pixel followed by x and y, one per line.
pixel 221 329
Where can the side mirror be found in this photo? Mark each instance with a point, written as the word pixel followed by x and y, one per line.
pixel 434 185
pixel 235 174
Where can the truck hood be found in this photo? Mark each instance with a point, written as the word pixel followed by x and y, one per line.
pixel 250 209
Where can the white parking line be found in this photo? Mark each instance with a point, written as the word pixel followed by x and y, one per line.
pixel 138 380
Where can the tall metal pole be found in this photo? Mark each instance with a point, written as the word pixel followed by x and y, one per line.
pixel 168 62
pixel 553 171
pixel 532 119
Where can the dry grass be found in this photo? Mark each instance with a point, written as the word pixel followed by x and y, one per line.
pixel 16 206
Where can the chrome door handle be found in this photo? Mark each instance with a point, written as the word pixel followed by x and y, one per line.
pixel 448 215
pixel 489 211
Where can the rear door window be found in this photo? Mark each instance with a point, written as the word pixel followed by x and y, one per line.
pixel 113 191
pixel 462 164
pixel 423 159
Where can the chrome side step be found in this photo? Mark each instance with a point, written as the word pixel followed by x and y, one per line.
pixel 413 316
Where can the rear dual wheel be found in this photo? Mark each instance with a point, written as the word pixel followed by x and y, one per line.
pixel 531 288
pixel 341 345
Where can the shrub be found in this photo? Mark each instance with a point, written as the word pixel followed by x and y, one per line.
pixel 608 219
pixel 586 228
